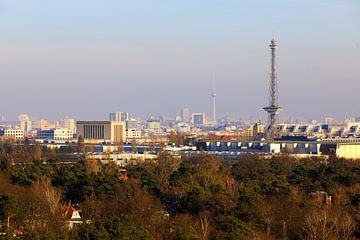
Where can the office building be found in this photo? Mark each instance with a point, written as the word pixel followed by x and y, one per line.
pixel 101 131
pixel 198 119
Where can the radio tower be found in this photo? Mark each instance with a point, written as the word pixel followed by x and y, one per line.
pixel 273 109
pixel 213 96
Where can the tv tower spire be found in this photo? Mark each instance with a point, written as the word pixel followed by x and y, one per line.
pixel 273 109
pixel 213 96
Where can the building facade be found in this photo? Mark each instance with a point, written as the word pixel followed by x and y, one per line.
pixel 56 134
pixel 133 133
pixel 101 131
pixel 12 133
pixel 198 119
pixel 69 123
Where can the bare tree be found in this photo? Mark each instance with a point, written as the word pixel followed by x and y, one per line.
pixel 44 190
pixel 320 224
pixel 204 225
pixel 345 228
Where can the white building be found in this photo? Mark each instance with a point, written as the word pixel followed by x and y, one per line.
pixel 133 133
pixel 12 133
pixel 56 134
pixel 182 127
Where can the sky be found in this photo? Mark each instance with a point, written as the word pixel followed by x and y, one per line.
pixel 86 58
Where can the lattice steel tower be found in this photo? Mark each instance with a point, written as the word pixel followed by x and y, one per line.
pixel 273 109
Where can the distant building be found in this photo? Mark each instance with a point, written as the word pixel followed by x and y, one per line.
pixel 152 124
pixel 69 123
pixel 185 115
pixel 12 133
pixel 182 127
pixel 132 123
pixel 133 133
pixel 72 217
pixel 101 131
pixel 321 197
pixel 43 124
pixel 198 119
pixel 25 123
pixel 56 134
pixel 119 116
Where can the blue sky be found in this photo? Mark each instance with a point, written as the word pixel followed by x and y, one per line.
pixel 151 57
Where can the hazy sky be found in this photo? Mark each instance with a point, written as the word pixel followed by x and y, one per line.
pixel 85 58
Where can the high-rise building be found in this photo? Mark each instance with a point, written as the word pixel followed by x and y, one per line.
pixel 119 116
pixel 185 115
pixel 198 119
pixel 25 122
pixel 101 131
pixel 69 123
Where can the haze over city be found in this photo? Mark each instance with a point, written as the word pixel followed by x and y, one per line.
pixel 88 58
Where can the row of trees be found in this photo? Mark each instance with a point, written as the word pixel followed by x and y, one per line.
pixel 199 197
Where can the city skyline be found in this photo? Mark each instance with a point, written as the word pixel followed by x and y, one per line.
pixel 135 62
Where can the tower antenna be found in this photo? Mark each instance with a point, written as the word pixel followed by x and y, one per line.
pixel 273 109
pixel 213 96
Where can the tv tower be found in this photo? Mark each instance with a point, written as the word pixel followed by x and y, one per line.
pixel 273 109
pixel 213 96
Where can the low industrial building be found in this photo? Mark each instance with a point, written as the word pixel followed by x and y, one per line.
pixel 347 148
